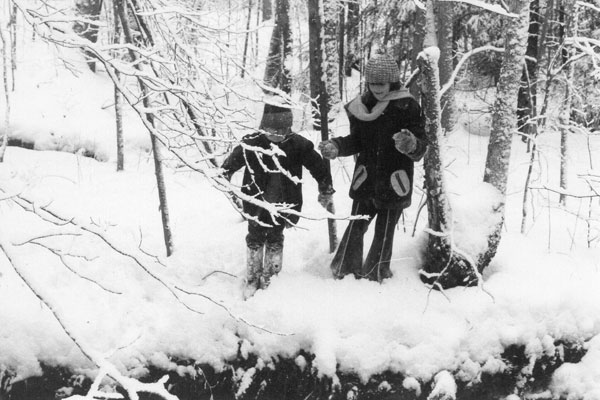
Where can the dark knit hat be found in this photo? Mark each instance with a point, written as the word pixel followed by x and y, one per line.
pixel 275 117
pixel 382 69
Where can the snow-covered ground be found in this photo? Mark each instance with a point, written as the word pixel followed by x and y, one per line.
pixel 540 288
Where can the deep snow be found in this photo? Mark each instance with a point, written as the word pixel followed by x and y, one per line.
pixel 541 287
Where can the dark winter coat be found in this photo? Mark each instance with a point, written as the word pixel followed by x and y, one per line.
pixel 382 173
pixel 299 152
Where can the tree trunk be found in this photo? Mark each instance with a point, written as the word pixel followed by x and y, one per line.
pixel 119 127
pixel 246 39
pixel 352 37
pixel 277 74
pixel 13 44
pixel 267 10
pixel 444 267
pixel 571 22
pixel 89 9
pixel 417 45
pixel 319 91
pixel 527 98
pixel 330 57
pixel 341 47
pixel 445 36
pixel 5 79
pixel 504 122
pixel 118 96
pixel 158 169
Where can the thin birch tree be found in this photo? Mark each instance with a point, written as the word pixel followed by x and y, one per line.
pixel 445 265
pixel 246 39
pixel 504 122
pixel 418 37
pixel 445 36
pixel 323 79
pixel 527 99
pixel 570 31
pixel 122 9
pixel 277 74
pixel 6 71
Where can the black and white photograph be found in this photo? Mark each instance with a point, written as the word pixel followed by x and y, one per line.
pixel 300 200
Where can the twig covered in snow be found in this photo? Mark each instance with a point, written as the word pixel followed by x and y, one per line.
pixel 588 5
pixel 181 94
pixel 461 63
pixel 495 8
pixel 144 261
pixel 567 193
pixel 132 386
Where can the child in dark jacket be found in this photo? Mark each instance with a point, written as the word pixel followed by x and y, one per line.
pixel 273 159
pixel 387 132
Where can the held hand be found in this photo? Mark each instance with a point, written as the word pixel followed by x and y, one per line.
pixel 328 149
pixel 405 142
pixel 325 199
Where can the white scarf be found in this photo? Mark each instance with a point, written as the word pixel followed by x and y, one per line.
pixel 360 111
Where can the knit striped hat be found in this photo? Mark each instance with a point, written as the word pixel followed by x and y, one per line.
pixel 382 69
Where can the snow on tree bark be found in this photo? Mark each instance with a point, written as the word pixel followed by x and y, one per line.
pixel 564 118
pixel 330 11
pixel 119 127
pixel 444 266
pixel 352 49
pixel 445 35
pixel 417 45
pixel 318 87
pixel 5 79
pixel 504 120
pixel 527 99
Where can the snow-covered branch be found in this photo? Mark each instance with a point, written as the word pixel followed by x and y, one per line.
pixel 588 5
pixel 132 386
pixel 462 62
pixel 148 263
pixel 185 97
pixel 567 193
pixel 495 8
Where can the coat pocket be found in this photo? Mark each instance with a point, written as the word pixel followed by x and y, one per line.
pixel 360 176
pixel 400 182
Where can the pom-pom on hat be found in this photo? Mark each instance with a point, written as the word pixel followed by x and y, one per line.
pixel 382 69
pixel 276 117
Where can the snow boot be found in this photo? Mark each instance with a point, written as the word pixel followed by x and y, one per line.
pixel 273 259
pixel 254 262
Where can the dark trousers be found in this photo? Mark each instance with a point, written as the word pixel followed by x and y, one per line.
pixel 349 256
pixel 269 236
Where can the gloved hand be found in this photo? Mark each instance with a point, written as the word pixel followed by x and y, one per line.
pixel 328 149
pixel 404 141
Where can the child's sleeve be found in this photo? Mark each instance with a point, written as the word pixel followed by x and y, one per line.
pixel 350 144
pixel 317 167
pixel 233 162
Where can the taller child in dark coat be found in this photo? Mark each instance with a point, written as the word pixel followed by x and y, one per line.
pixel 273 177
pixel 387 132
